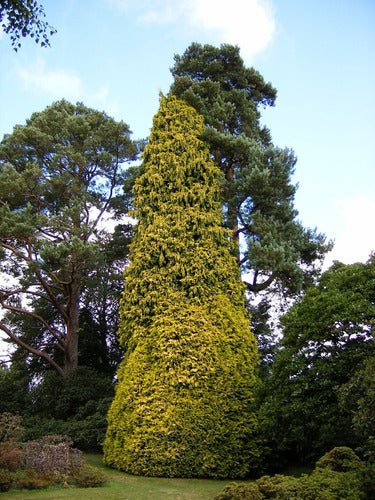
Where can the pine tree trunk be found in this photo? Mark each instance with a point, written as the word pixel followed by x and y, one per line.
pixel 232 210
pixel 71 341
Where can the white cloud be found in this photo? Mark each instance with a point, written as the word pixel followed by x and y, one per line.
pixel 357 239
pixel 57 83
pixel 247 23
pixel 250 24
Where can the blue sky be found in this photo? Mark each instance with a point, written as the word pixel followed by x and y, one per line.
pixel 115 55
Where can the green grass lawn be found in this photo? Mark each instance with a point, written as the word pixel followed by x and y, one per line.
pixel 127 487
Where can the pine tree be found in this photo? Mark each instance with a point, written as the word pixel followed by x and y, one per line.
pixel 184 402
pixel 277 252
pixel 60 174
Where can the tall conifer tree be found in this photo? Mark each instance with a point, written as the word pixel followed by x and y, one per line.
pixel 184 403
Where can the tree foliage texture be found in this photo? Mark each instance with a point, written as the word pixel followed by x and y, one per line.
pixel 328 337
pixel 359 394
pixel 22 18
pixel 58 177
pixel 184 403
pixel 258 193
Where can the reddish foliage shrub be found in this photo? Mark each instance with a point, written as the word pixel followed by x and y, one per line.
pixel 11 456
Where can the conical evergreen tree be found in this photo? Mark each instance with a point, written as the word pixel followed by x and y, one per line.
pixel 184 403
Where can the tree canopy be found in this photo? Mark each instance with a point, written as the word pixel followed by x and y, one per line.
pixel 276 250
pixel 327 338
pixel 184 402
pixel 59 174
pixel 23 18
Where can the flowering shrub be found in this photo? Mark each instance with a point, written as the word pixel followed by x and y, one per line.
pixel 52 454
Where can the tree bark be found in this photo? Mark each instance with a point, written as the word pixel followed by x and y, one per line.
pixel 72 330
pixel 232 210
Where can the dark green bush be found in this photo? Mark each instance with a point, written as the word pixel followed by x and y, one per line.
pixel 322 484
pixel 89 426
pixel 61 399
pixel 5 480
pixel 86 430
pixel 234 491
pixel 340 459
pixel 339 474
pixel 367 478
pixel 89 477
pixel 279 486
pixel 37 427
pixel 327 484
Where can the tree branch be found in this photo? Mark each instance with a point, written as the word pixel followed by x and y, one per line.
pixel 21 310
pixel 258 287
pixel 32 350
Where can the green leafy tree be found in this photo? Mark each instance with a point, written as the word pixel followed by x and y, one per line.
pixel 101 301
pixel 184 402
pixel 23 18
pixel 359 395
pixel 328 335
pixel 59 175
pixel 277 251
pixel 14 385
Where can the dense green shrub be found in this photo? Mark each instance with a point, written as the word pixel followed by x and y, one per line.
pixel 184 402
pixel 322 484
pixel 86 428
pixel 340 459
pixel 37 427
pixel 367 477
pixel 61 399
pixel 234 491
pixel 76 407
pixel 6 480
pixel 86 476
pixel 327 484
pixel 279 486
pixel 339 474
